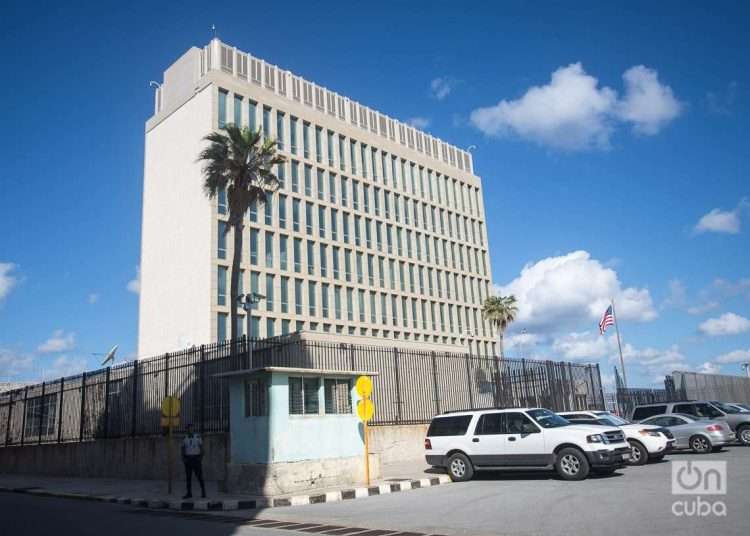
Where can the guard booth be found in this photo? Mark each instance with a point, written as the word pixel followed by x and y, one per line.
pixel 294 429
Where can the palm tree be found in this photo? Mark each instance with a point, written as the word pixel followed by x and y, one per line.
pixel 500 311
pixel 238 161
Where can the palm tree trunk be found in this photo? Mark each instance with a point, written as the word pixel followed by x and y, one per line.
pixel 502 350
pixel 234 286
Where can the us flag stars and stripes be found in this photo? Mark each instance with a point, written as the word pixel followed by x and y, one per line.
pixel 608 319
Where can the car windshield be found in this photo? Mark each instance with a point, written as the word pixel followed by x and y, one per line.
pixel 547 419
pixel 611 419
pixel 743 406
pixel 726 408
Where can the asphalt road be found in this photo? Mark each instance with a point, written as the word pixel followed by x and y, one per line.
pixel 637 501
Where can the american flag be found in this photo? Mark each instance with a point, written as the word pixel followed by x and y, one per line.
pixel 608 319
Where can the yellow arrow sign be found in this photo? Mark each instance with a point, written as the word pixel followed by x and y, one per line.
pixel 365 409
pixel 170 406
pixel 364 386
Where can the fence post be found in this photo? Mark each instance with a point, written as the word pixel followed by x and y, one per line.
pixel 41 415
pixel 202 388
pixel 10 412
pixel 106 403
pixel 60 410
pixel 468 381
pixel 166 375
pixel 398 386
pixel 23 422
pixel 134 417
pixel 351 356
pixel 524 384
pixel 246 342
pixel 83 407
pixel 435 383
pixel 497 380
pixel 572 388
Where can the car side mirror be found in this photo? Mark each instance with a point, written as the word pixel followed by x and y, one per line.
pixel 528 428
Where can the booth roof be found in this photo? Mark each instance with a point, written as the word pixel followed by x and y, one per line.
pixel 296 370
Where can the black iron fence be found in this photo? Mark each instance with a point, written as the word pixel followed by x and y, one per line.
pixel 411 387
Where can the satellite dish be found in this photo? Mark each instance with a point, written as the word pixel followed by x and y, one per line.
pixel 110 357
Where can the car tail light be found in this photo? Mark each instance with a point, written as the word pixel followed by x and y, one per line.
pixel 427 444
pixel 714 428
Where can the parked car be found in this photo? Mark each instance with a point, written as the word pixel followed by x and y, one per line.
pixel 744 408
pixel 699 435
pixel 467 441
pixel 647 443
pixel 739 422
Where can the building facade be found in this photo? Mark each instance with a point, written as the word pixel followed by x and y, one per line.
pixel 377 230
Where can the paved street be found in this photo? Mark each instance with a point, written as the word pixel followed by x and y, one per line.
pixel 638 501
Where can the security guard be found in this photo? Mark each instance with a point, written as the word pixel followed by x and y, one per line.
pixel 192 456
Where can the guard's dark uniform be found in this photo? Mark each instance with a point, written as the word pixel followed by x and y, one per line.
pixel 192 455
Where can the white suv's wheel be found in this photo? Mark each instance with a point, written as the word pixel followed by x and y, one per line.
pixel 460 468
pixel 571 464
pixel 638 453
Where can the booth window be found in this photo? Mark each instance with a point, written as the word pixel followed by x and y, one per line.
pixel 255 398
pixel 303 396
pixel 338 396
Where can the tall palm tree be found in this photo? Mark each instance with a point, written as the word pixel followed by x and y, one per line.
pixel 500 311
pixel 238 161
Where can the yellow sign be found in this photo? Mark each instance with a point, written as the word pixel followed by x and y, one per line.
pixel 365 409
pixel 170 407
pixel 165 422
pixel 364 386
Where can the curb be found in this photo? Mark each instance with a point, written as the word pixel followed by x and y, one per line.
pixel 252 504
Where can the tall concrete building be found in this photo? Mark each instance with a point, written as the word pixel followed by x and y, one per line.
pixel 377 231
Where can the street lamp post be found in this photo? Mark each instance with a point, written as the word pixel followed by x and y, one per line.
pixel 248 301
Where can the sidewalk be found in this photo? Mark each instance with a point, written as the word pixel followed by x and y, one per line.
pixel 397 477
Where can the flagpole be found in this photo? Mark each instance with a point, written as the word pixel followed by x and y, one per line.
pixel 619 345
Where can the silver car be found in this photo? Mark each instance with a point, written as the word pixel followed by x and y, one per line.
pixel 699 435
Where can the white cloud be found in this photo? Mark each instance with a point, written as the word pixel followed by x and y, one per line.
pixel 647 103
pixel 654 363
pixel 719 221
pixel 558 293
pixel 134 285
pixel 729 288
pixel 441 87
pixel 709 368
pixel 7 279
pixel 13 364
pixel 420 123
pixel 573 112
pixel 92 298
pixel 726 324
pixel 703 308
pixel 677 296
pixel 584 346
pixel 64 366
pixel 58 342
pixel 735 356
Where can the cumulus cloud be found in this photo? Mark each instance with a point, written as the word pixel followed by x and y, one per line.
pixel 584 346
pixel 703 308
pixel 648 104
pixel 13 364
pixel 709 368
pixel 677 296
pixel 63 366
pixel 736 356
pixel 441 87
pixel 58 342
pixel 654 363
pixel 573 112
pixel 7 279
pixel 134 285
pixel 418 122
pixel 719 221
pixel 557 293
pixel 726 324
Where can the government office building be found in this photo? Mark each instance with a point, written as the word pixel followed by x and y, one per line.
pixel 377 230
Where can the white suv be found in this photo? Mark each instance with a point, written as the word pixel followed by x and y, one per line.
pixel 647 442
pixel 465 441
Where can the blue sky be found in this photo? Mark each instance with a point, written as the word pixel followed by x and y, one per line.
pixel 611 139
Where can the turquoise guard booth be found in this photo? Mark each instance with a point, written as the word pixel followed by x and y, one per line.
pixel 294 429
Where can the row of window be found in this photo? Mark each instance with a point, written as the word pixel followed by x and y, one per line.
pixel 405 212
pixel 347 155
pixel 338 302
pixel 304 396
pixel 413 246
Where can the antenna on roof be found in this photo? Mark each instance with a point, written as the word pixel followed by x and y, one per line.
pixel 110 357
pixel 213 29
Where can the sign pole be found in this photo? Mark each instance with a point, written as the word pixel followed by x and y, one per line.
pixel 367 451
pixel 170 455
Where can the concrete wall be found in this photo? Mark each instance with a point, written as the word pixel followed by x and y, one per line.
pixel 129 458
pixel 398 443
